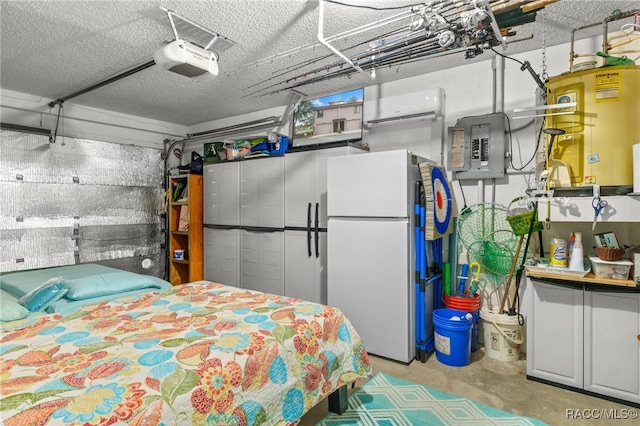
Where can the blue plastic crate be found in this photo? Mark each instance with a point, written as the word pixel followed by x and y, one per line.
pixel 280 147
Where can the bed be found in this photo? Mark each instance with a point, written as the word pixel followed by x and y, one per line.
pixel 84 284
pixel 197 353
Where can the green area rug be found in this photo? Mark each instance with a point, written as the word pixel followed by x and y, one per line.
pixel 386 400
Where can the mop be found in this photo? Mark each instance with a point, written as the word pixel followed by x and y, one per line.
pixel 420 328
pixel 426 280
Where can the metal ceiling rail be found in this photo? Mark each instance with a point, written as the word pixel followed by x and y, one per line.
pixel 330 39
pixel 109 80
pixel 192 32
pixel 25 129
pixel 196 33
pixel 439 27
pixel 272 124
pixel 327 44
pixel 236 128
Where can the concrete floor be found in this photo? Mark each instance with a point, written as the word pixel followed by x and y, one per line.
pixel 499 384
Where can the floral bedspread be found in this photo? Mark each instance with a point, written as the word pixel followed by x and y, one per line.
pixel 199 353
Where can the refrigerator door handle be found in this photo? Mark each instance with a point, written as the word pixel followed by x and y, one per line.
pixel 317 231
pixel 309 230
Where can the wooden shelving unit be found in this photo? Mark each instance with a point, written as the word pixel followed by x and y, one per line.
pixel 189 239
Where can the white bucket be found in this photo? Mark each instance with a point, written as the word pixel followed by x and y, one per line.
pixel 503 335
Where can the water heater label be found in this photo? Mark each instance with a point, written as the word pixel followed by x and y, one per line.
pixel 607 86
pixel 567 98
pixel 593 158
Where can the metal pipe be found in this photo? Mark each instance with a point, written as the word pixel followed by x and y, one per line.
pixel 85 120
pixel 25 129
pixel 325 43
pixel 110 80
pixel 244 130
pixel 498 100
pixel 273 120
pixel 604 23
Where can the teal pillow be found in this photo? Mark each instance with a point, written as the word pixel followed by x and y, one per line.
pixel 108 283
pixel 44 295
pixel 11 310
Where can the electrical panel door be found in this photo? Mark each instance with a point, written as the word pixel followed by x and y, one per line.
pixel 477 147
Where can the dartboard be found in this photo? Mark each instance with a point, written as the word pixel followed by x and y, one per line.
pixel 442 200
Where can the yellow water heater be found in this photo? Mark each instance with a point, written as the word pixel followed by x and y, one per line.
pixel 603 126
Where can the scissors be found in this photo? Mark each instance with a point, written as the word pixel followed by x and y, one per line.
pixel 598 204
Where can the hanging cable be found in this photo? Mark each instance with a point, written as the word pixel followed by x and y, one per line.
pixel 464 199
pixel 507 57
pixel 519 169
pixel 525 66
pixel 373 7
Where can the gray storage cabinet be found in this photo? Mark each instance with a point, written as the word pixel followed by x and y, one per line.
pixel 265 223
pixel 584 337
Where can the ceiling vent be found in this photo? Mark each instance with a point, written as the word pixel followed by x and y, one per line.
pixel 187 59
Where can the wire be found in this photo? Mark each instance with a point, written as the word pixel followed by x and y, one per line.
pixel 533 156
pixel 508 57
pixel 524 126
pixel 372 7
pixel 464 199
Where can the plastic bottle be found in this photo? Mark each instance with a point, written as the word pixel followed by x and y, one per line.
pixel 572 239
pixel 577 263
pixel 558 252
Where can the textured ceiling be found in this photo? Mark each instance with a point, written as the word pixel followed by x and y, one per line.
pixel 55 48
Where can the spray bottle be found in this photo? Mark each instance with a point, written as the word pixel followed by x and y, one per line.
pixel 576 262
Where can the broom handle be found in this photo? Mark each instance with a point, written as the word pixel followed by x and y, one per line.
pixel 513 268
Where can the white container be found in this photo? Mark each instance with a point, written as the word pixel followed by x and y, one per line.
pixel 615 270
pixel 502 334
pixel 178 254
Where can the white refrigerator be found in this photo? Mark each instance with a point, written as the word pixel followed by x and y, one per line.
pixel 370 248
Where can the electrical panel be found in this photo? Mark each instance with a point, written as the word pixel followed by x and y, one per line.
pixel 477 147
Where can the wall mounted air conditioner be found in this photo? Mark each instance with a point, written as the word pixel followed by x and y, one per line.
pixel 412 106
pixel 187 59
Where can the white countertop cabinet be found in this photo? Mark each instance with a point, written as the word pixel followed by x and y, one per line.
pixel 612 344
pixel 584 337
pixel 555 334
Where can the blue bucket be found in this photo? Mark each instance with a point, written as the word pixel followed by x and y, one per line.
pixel 452 337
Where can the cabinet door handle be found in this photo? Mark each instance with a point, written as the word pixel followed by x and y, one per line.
pixel 317 231
pixel 309 229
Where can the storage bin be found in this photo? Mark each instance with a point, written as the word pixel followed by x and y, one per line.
pixel 214 152
pixel 280 147
pixel 277 148
pixel 615 270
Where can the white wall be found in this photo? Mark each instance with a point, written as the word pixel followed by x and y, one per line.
pixel 86 123
pixel 469 91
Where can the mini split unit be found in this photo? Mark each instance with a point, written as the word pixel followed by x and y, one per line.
pixel 187 59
